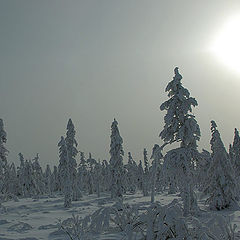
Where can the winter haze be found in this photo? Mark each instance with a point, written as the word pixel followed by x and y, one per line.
pixel 93 61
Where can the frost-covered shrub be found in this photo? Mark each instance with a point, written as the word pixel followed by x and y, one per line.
pixel 217 227
pixel 154 222
pixel 76 228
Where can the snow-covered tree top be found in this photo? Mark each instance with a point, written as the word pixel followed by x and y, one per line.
pixel 130 159
pixel 236 141
pixel 180 125
pixel 216 142
pixel 70 140
pixel 156 152
pixel 3 134
pixel 116 140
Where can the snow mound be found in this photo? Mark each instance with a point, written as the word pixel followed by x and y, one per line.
pixel 3 222
pixel 57 233
pixel 49 226
pixel 20 227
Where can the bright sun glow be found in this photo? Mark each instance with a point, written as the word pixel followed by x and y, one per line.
pixel 227 44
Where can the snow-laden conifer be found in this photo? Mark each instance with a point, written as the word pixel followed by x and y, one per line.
pixel 20 174
pixel 55 179
pixel 221 186
pixel 3 154
pixel 38 175
pixel 106 174
pixel 3 140
pixel 146 176
pixel 236 153
pixel 72 153
pixel 131 178
pixel 90 174
pixel 48 180
pixel 181 126
pixel 156 156
pixel 140 174
pixel 202 166
pixel 65 173
pixel 116 161
pixel 82 172
pixel 30 187
pixel 145 159
pixel 98 177
pixel 11 185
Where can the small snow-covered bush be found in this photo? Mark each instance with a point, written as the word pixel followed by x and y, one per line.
pixel 217 227
pixel 76 228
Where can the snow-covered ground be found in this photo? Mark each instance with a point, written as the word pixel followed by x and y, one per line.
pixel 35 219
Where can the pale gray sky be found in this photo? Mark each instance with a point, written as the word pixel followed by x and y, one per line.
pixel 94 60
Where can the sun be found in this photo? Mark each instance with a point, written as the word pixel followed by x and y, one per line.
pixel 226 46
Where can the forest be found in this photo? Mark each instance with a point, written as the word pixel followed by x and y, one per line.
pixel 179 193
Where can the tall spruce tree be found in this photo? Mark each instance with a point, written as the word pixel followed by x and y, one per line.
pixel 221 186
pixel 64 171
pixel 72 153
pixel 181 126
pixel 236 153
pixel 146 176
pixel 38 175
pixel 3 155
pixel 20 174
pixel 116 162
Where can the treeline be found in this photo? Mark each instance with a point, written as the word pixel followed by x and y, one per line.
pixel 183 169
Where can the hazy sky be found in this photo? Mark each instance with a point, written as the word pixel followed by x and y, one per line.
pixel 94 60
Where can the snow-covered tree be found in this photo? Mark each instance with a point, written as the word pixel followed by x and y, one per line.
pixel 3 154
pixel 30 187
pixel 145 159
pixel 146 176
pixel 131 180
pixel 82 172
pixel 236 153
pixel 72 153
pixel 181 126
pixel 116 161
pixel 20 174
pixel 48 180
pixel 55 179
pixel 106 175
pixel 38 175
pixel 90 174
pixel 11 184
pixel 202 166
pixel 221 185
pixel 140 174
pixel 65 173
pixel 3 140
pixel 98 177
pixel 156 156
